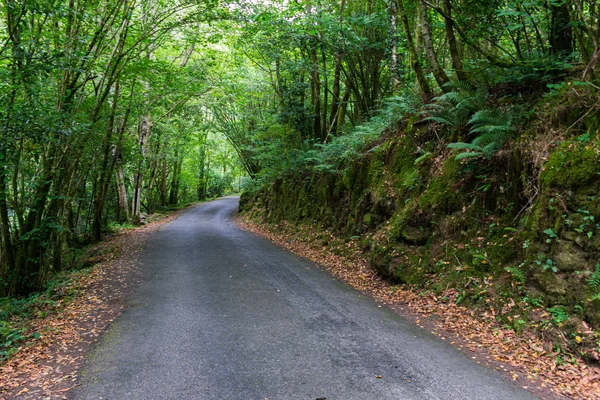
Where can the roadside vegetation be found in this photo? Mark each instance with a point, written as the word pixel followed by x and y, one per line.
pixel 456 143
pixel 466 160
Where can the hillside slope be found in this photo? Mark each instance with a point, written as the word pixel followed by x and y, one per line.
pixel 518 228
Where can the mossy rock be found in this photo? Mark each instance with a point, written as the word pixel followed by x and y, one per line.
pixel 380 260
pixel 415 235
pixel 246 201
pixel 401 158
pixel 400 263
pixel 573 165
pixel 569 257
pixel 553 285
pixel 442 193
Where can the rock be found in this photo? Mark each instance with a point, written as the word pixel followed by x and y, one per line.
pixel 569 257
pixel 417 236
pixel 569 235
pixel 553 285
pixel 595 243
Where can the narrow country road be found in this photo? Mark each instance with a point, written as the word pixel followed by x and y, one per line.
pixel 223 314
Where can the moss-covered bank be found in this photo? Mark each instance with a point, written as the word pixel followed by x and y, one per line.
pixel 525 223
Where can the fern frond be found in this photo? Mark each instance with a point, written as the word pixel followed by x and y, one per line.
pixel 449 97
pixel 480 97
pixel 517 273
pixel 473 151
pixel 440 120
pixel 490 117
pixel 459 86
pixel 491 137
pixel 431 107
pixel 490 149
pixel 492 129
pixel 468 154
pixel 463 146
pixel 594 279
pixel 427 155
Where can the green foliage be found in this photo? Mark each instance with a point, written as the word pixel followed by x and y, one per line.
pixel 493 127
pixel 559 314
pixel 330 157
pixel 10 336
pixel 574 164
pixel 464 106
pixel 546 263
pixel 517 273
pixel 594 279
pixel 551 235
pixel 456 107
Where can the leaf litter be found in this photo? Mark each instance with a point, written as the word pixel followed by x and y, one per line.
pixel 520 358
pixel 48 367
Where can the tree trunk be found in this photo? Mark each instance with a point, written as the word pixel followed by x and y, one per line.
pixel 8 251
pixel 335 95
pixel 394 64
pixel 105 170
pixel 324 124
pixel 163 183
pixel 122 194
pixel 452 43
pixel 201 188
pixel 343 107
pixel 144 134
pixel 151 181
pixel 174 193
pixel 426 92
pixel 561 34
pixel 316 92
pixel 438 72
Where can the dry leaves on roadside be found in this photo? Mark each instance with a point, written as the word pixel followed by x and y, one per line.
pixel 523 359
pixel 48 367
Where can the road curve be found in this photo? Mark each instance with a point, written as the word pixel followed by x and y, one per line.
pixel 223 314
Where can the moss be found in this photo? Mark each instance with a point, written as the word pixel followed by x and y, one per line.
pixel 574 164
pixel 246 201
pixel 439 231
pixel 402 157
pixel 442 192
pixel 502 252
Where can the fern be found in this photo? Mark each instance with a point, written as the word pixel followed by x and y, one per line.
pixel 517 273
pixel 410 178
pixel 423 157
pixel 594 279
pixel 495 128
pixel 454 107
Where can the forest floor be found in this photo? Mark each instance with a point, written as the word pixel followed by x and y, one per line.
pixel 520 357
pixel 47 367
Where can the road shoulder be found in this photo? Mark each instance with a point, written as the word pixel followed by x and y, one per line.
pixel 49 367
pixel 480 338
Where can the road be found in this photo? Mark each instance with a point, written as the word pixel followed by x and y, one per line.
pixel 224 314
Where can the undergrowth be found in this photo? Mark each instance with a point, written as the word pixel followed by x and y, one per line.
pixel 18 315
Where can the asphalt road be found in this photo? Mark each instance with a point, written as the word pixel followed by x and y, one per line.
pixel 224 314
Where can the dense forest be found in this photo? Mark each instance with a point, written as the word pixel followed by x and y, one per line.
pixel 105 109
pixel 407 123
